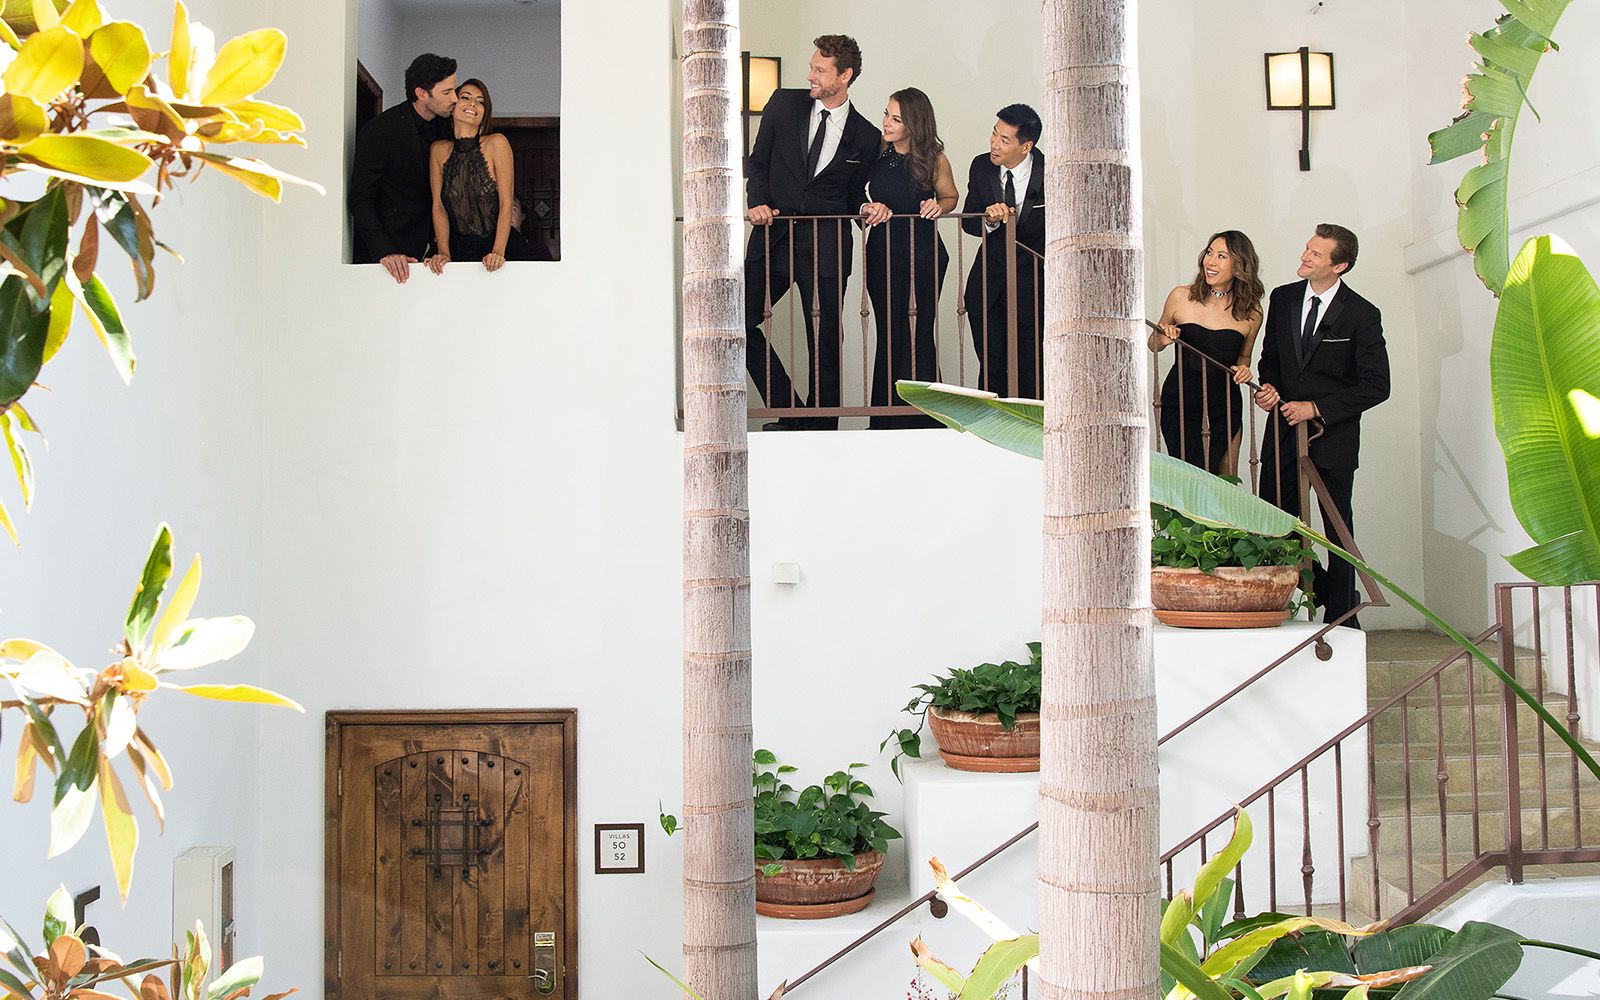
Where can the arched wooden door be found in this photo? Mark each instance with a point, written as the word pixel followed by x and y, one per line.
pixel 451 856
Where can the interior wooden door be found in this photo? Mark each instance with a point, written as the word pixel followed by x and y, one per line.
pixel 451 863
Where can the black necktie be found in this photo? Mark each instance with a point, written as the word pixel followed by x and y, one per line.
pixel 814 154
pixel 1011 191
pixel 1309 329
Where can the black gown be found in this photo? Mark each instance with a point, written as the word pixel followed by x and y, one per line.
pixel 1204 387
pixel 898 251
pixel 471 201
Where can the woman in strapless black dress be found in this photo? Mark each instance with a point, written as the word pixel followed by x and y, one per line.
pixel 910 185
pixel 471 177
pixel 1214 320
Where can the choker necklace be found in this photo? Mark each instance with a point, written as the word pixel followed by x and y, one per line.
pixel 1216 294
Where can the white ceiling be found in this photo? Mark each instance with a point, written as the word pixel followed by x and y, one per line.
pixel 447 7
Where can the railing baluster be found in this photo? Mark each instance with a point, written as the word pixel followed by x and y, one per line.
pixel 1272 851
pixel 1238 891
pixel 766 311
pixel 1538 728
pixel 1472 752
pixel 1441 777
pixel 1405 759
pixel 1374 820
pixel 1340 858
pixel 1572 715
pixel 961 306
pixel 866 338
pixel 1512 789
pixel 1168 867
pixel 1205 416
pixel 1180 371
pixel 794 396
pixel 1307 867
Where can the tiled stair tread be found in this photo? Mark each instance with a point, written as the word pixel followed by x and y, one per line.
pixel 1460 802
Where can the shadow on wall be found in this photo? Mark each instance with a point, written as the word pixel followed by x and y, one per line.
pixel 517 57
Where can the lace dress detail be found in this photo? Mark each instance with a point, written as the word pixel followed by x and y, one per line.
pixel 471 199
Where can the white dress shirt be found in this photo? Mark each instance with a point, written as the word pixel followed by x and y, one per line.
pixel 1021 174
pixel 835 134
pixel 1326 299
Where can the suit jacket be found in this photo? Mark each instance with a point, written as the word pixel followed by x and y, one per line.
pixel 777 177
pixel 1345 372
pixel 389 195
pixel 984 189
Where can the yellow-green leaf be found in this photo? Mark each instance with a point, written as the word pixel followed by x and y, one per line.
pixel 273 116
pixel 182 53
pixel 122 830
pixel 11 529
pixel 119 52
pixel 8 34
pixel 48 63
pixel 245 693
pixel 165 120
pixel 27 765
pixel 62 302
pixel 106 320
pixel 151 793
pixel 178 608
pixel 21 463
pixel 136 679
pixel 22 650
pixel 21 119
pixel 46 14
pixel 157 763
pixel 244 66
pixel 83 17
pixel 89 157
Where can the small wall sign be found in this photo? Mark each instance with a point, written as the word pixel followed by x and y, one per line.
pixel 619 849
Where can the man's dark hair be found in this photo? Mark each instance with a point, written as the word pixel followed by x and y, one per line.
pixel 844 52
pixel 1344 245
pixel 1024 119
pixel 426 71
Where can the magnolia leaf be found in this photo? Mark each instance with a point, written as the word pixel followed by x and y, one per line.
pixel 240 975
pixel 126 187
pixel 152 112
pixel 152 793
pixel 119 57
pixel 9 526
pixel 125 219
pixel 1547 345
pixel 259 177
pixel 236 692
pixel 62 305
pixel 88 157
pixel 152 581
pixel 48 63
pixel 137 680
pixel 121 721
pixel 83 17
pixel 106 319
pixel 67 956
pixel 122 829
pixel 21 463
pixel 23 333
pixel 58 915
pixel 46 14
pixel 244 66
pixel 199 642
pixel 21 119
pixel 69 819
pixel 272 116
pixel 178 605
pixel 21 649
pixel 182 54
pixel 47 674
pixel 27 766
pixel 158 763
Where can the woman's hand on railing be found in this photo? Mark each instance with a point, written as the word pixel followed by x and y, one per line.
pixel 1241 374
pixel 1163 335
pixel 437 262
pixel 874 212
pixel 929 209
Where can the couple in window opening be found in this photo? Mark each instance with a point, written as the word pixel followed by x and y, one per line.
pixel 433 181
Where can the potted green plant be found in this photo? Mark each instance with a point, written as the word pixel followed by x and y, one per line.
pixel 818 849
pixel 985 718
pixel 1207 576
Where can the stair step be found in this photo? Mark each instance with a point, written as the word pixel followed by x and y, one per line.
pixel 1458 802
pixel 1491 830
pixel 1386 677
pixel 1425 720
pixel 1389 772
pixel 1425 876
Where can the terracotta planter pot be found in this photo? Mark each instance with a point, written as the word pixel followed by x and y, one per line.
pixel 1229 596
pixel 971 741
pixel 820 887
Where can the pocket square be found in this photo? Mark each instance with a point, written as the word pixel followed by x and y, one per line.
pixel 1040 205
pixel 1336 340
pixel 852 161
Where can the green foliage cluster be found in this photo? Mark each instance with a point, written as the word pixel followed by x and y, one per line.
pixel 1002 688
pixel 1185 543
pixel 829 820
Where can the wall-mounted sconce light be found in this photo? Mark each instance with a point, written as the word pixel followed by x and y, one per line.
pixel 1300 81
pixel 760 77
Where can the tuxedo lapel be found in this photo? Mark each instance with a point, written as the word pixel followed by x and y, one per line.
pixel 1329 318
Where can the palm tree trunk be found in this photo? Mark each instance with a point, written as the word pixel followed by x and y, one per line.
pixel 719 918
pixel 1098 809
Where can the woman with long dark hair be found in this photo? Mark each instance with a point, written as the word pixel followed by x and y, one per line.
pixel 910 185
pixel 1215 318
pixel 471 177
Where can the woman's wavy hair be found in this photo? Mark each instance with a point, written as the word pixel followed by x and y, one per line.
pixel 486 123
pixel 916 112
pixel 1247 289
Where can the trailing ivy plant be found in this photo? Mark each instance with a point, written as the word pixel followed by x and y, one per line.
pixel 830 820
pixel 82 109
pixel 1005 689
pixel 50 690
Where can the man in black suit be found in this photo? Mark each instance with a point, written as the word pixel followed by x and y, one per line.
pixel 389 195
pixel 811 157
pixel 1008 183
pixel 1323 359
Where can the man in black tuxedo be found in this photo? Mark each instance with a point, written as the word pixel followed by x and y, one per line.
pixel 389 195
pixel 1004 184
pixel 1324 360
pixel 811 157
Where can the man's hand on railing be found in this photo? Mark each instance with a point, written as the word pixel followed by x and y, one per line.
pixel 761 215
pixel 874 212
pixel 997 214
pixel 1267 397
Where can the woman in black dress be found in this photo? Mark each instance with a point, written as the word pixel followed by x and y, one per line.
pixel 1215 319
pixel 471 177
pixel 910 185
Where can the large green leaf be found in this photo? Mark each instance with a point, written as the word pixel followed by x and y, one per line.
pixel 147 594
pixel 1310 949
pixel 1496 92
pixel 23 333
pixel 1000 961
pixel 1183 968
pixel 1401 947
pixel 1547 349
pixel 1473 965
pixel 1017 425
